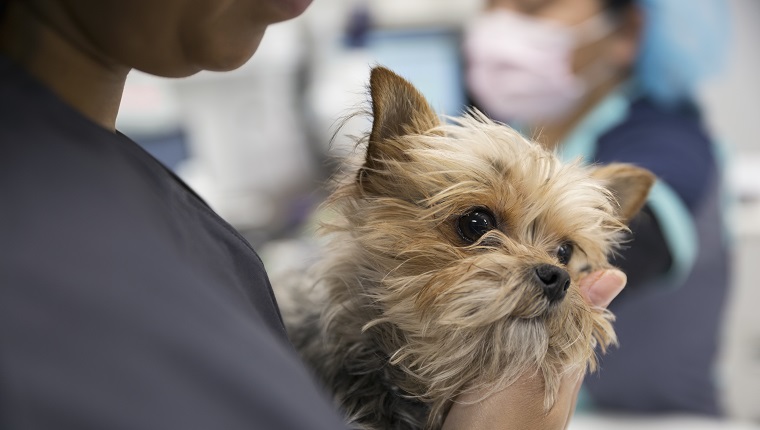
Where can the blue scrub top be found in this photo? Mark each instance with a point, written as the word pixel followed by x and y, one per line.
pixel 126 302
pixel 669 333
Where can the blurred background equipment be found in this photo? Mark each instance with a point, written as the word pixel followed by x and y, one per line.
pixel 238 138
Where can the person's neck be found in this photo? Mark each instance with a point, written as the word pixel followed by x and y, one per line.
pixel 552 135
pixel 64 63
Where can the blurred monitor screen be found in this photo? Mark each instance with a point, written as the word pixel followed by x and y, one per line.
pixel 428 58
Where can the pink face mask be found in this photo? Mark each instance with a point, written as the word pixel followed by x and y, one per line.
pixel 519 67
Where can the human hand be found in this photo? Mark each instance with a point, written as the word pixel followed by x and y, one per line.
pixel 521 405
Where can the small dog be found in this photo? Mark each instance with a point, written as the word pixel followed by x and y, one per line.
pixel 452 264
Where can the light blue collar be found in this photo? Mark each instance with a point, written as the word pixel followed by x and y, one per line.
pixel 581 142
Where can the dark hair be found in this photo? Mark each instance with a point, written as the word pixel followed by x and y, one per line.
pixel 613 5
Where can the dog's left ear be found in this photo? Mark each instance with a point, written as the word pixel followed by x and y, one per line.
pixel 398 109
pixel 629 184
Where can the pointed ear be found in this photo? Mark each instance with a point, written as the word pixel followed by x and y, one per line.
pixel 629 184
pixel 398 109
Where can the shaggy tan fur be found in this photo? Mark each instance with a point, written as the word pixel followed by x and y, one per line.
pixel 405 314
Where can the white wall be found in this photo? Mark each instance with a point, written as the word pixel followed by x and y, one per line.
pixel 734 111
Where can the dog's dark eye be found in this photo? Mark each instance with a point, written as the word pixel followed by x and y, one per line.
pixel 565 252
pixel 474 224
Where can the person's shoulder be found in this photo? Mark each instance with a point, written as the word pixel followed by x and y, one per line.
pixel 67 171
pixel 648 121
pixel 67 185
pixel 654 136
pixel 670 141
pixel 56 162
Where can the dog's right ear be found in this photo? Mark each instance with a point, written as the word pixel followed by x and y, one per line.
pixel 398 109
pixel 629 184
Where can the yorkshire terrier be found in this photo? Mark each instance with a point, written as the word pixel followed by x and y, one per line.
pixel 452 262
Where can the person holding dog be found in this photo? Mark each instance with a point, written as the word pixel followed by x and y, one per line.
pixel 125 301
pixel 615 81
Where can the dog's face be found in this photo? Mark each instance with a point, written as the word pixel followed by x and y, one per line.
pixel 473 240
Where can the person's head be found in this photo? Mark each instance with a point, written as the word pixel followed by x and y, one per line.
pixel 551 56
pixel 162 37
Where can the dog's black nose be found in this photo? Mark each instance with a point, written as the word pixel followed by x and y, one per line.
pixel 553 280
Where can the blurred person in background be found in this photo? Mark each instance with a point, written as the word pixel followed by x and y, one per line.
pixel 615 81
pixel 125 301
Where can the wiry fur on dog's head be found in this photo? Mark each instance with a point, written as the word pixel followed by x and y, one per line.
pixel 453 313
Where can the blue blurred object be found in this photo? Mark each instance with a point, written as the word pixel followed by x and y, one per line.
pixel 359 25
pixel 169 149
pixel 684 42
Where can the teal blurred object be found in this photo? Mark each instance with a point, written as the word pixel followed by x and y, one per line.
pixel 584 404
